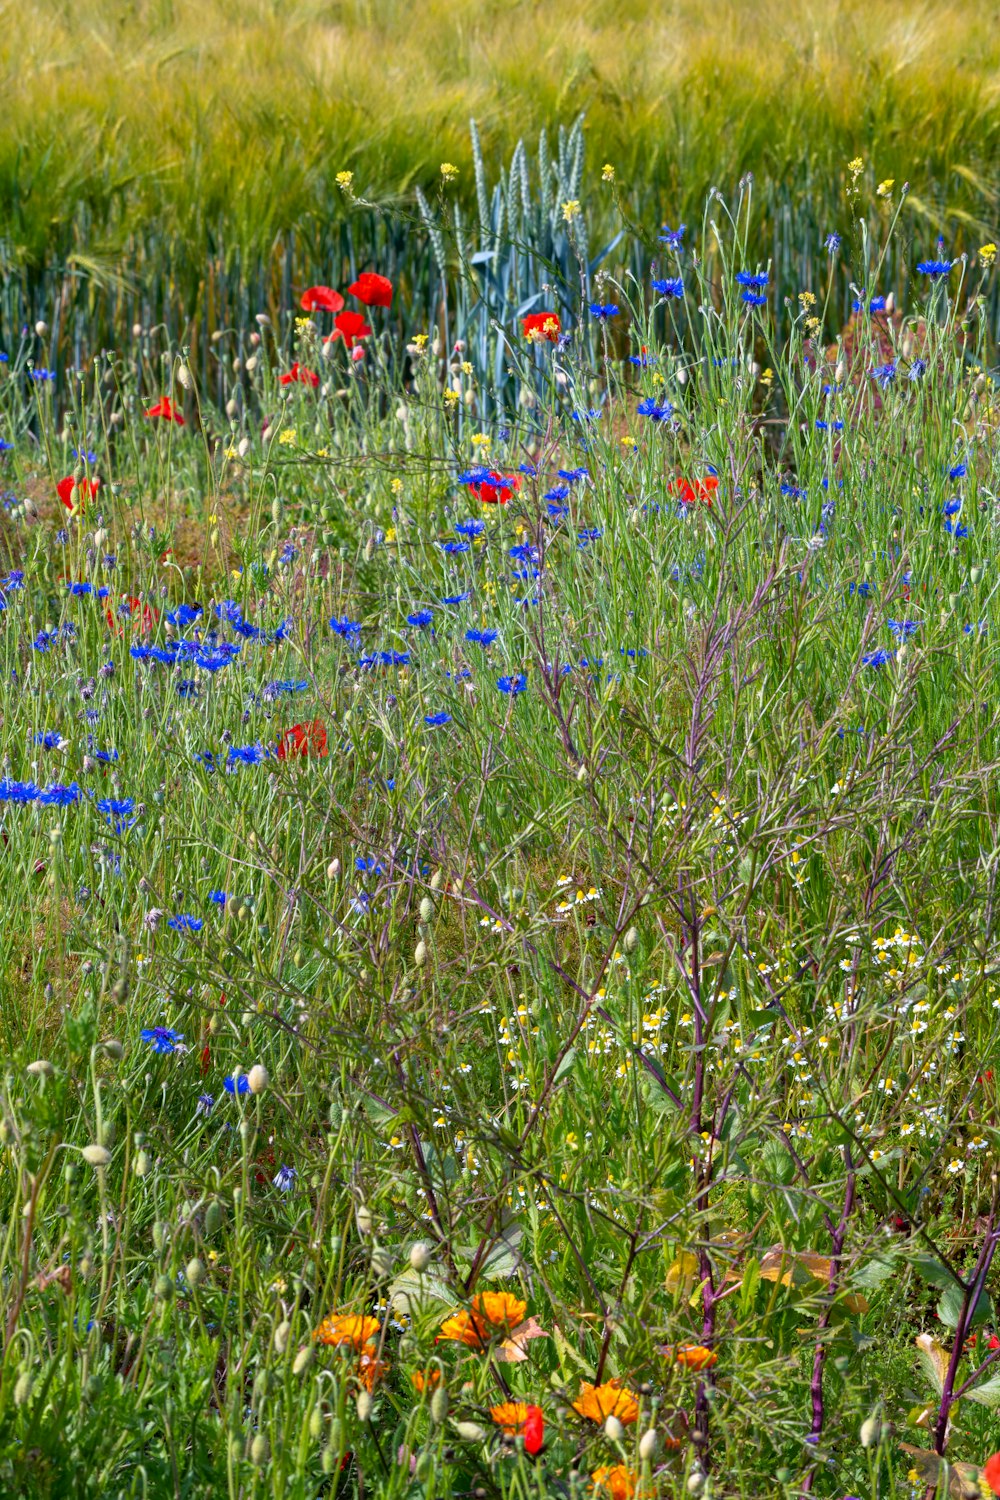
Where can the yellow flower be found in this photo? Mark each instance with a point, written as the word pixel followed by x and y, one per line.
pixel 571 209
pixel 884 189
pixel 390 535
pixel 481 440
pixel 767 376
pixel 345 181
pixel 420 339
pixel 452 397
pixel 396 486
pixel 607 172
pixel 988 253
pixel 301 323
pixel 856 167
pixel 807 299
pixel 286 438
pixel 598 1402
pixel 449 171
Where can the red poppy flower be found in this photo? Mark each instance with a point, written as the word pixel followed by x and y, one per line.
pixel 321 299
pixel 991 1473
pixel 165 411
pixel 86 489
pixel 371 289
pixel 541 326
pixel 298 373
pixel 206 1058
pixel 496 488
pixel 349 326
pixel 141 617
pixel 303 739
pixel 534 1430
pixel 701 489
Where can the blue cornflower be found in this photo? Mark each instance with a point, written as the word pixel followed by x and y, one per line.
pixel 884 374
pixel 958 471
pixel 84 455
pixel 956 529
pixel 952 507
pixel 58 795
pixel 644 361
pixel 288 685
pixel 247 755
pixel 184 614
pixel 39 373
pixel 14 580
pixel 557 492
pixel 876 305
pixel 602 311
pixel 239 1085
pixel 49 739
pixel 420 618
pixel 345 627
pixel 289 553
pixel 204 1105
pixel 935 269
pixel 877 658
pixel 212 661
pixel 471 528
pixel 755 299
pixel 588 534
pixel 457 598
pixel 481 637
pixel 902 629
pixel 837 425
pixel 652 409
pixel 672 237
pixel 585 416
pixel 367 864
pixel 187 688
pixel 62 536
pixel 183 922
pixel 832 243
pixel 574 476
pixel 161 1038
pixel 754 281
pixel 18 792
pixel 454 548
pixel 218 898
pixel 6 447
pixel 863 590
pixel 79 589
pixel 284 1179
pixel 116 807
pixel 792 491
pixel 555 510
pixel 44 639
pixel 530 469
pixel 917 370
pixel 668 286
pixel 434 721
pixel 513 685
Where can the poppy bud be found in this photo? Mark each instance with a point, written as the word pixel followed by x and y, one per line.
pixel 194 1272
pixel 582 775
pixel 439 1404
pixel 315 1421
pixel 631 940
pixel 890 303
pixel 382 1262
pixel 137 330
pixel 281 1336
pixel 369 549
pixel 649 1443
pixel 231 408
pixel 436 880
pixel 695 1482
pixel 333 869
pixel 267 434
pixel 364 1219
pixel 258 1078
pixel 22 1390
pixel 96 1156
pixel 426 909
pixel 277 510
pixel 42 1068
pixel 470 1432
pixel 303 1360
pixel 213 1218
pixel 420 953
pixel 260 1450
pixel 163 1289
pixel 871 1431
pixel 364 1406
pixel 41 328
pixel 184 377
pixel 682 377
pixel 613 1429
pixel 143 1165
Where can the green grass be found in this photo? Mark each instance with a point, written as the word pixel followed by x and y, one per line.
pixel 660 996
pixel 177 160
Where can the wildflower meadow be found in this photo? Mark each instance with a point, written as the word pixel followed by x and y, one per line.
pixel 500 947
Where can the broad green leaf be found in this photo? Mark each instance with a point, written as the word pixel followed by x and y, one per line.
pixel 949 1309
pixel 987 1394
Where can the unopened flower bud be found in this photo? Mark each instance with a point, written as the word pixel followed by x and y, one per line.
pixel 631 942
pixel 439 1404
pixel 420 953
pixel 194 1272
pixel 143 1164
pixel 244 447
pixel 281 1334
pixel 22 1388
pixel 303 1360
pixel 649 1443
pixel 613 1429
pixel 184 377
pixel 364 1406
pixel 364 1219
pixel 96 1156
pixel 426 909
pixel 41 1068
pixel 260 1450
pixel 420 1256
pixel 41 328
pixel 470 1432
pixel 258 1079
pixel 871 1431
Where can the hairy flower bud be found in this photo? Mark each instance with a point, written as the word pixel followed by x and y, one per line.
pixel 258 1078
pixel 420 1256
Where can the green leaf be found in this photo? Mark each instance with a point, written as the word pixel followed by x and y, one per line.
pixel 952 1301
pixel 565 1066
pixel 929 1268
pixel 874 1273
pixel 987 1394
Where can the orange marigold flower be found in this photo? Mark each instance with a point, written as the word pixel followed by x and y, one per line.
pixel 510 1416
pixel 425 1380
pixel 492 1313
pixel 371 1369
pixel 347 1328
pixel 598 1402
pixel 693 1356
pixel 619 1483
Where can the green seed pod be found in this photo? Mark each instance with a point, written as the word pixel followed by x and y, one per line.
pixel 194 1272
pixel 439 1404
pixel 213 1218
pixel 260 1450
pixel 426 909
pixel 277 510
pixel 281 1335
pixel 143 1164
pixel 164 1289
pixel 364 1406
pixel 303 1360
pixel 631 942
pixel 316 1423
pixel 22 1390
pixel 264 1384
pixel 159 1234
